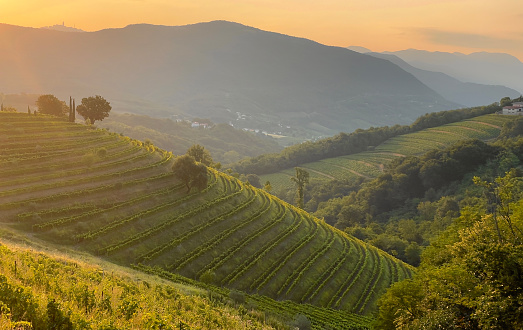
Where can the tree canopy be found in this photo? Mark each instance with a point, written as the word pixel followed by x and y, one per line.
pixel 471 275
pixel 200 154
pixel 94 108
pixel 301 179
pixel 192 174
pixel 50 105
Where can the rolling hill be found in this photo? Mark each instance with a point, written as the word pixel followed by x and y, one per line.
pixel 370 164
pixel 112 196
pixel 219 70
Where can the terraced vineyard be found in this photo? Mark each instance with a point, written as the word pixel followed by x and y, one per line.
pixel 371 163
pixel 117 198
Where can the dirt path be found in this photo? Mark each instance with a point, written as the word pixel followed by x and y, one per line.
pixel 487 124
pixel 351 170
pixel 321 173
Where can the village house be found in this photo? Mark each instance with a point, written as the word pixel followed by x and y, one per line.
pixel 515 109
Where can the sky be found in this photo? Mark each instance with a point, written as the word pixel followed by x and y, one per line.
pixel 464 26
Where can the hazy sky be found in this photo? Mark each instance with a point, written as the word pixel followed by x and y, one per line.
pixel 446 25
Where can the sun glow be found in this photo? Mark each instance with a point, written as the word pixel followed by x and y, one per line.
pixel 376 24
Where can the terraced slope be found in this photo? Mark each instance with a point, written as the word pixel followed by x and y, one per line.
pixel 117 198
pixel 370 164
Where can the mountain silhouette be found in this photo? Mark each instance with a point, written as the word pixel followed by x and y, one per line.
pixel 220 70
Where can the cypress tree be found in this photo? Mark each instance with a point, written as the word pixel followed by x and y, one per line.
pixel 70 109
pixel 74 112
pixel 28 110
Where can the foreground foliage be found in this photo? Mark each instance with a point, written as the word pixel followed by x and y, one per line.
pixel 471 276
pixel 42 292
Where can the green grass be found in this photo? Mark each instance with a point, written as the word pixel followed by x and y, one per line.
pixel 126 206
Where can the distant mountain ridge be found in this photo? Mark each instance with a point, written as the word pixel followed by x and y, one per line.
pixel 224 71
pixel 479 67
pixel 466 90
pixel 467 93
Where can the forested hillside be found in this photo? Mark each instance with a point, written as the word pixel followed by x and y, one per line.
pixel 416 197
pixel 345 144
pixel 225 143
pixel 118 198
pixel 470 273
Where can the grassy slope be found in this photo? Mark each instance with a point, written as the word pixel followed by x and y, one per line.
pixel 116 197
pixel 100 295
pixel 371 163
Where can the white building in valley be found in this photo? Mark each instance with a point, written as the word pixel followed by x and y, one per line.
pixel 515 109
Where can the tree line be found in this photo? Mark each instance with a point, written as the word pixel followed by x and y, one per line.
pixel 93 108
pixel 350 143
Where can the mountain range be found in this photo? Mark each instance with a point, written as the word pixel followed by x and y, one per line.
pixel 231 73
pixel 467 93
pixel 219 70
pixel 479 67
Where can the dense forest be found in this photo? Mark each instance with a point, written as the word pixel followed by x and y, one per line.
pixel 470 276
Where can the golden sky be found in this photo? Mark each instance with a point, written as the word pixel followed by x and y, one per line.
pixel 381 25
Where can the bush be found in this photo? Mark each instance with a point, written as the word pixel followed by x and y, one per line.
pixel 237 296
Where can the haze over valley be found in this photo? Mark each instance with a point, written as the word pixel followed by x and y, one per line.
pixel 234 165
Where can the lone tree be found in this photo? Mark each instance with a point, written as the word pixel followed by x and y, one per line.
pixel 200 154
pixel 50 105
pixel 301 179
pixel 192 174
pixel 94 108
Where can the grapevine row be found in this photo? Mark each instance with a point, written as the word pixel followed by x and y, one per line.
pixel 241 269
pixel 63 195
pixel 105 176
pixel 354 279
pixel 328 274
pixel 118 223
pixel 155 229
pixel 217 239
pixel 120 160
pixel 222 258
pixel 369 287
pixel 160 249
pixel 276 266
pixel 310 261
pixel 66 220
pixel 358 268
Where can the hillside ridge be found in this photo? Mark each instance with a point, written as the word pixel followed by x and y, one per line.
pixel 119 199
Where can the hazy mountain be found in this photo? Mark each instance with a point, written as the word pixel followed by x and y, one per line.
pixel 218 70
pixel 466 93
pixel 359 49
pixel 481 67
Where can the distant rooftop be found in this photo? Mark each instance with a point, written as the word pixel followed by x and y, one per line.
pixel 62 27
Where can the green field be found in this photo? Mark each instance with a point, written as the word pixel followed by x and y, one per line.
pixel 370 164
pixel 117 198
